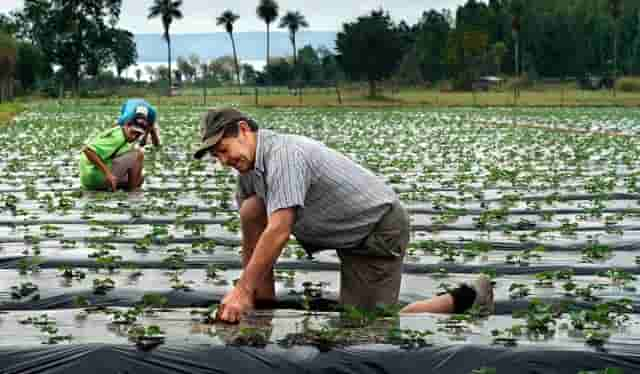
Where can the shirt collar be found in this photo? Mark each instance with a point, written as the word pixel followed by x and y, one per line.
pixel 261 147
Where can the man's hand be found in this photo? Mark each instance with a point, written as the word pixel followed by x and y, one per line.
pixel 112 181
pixel 235 304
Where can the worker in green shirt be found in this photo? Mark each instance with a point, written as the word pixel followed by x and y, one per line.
pixel 110 160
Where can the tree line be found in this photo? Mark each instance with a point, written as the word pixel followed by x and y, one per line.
pixel 531 39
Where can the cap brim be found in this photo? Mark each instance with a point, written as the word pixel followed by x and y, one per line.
pixel 207 145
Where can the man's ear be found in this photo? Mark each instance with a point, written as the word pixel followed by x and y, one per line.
pixel 244 126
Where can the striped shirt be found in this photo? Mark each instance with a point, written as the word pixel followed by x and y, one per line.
pixel 337 201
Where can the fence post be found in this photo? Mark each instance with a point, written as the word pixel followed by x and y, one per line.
pixel 256 95
pixel 204 93
pixel 338 93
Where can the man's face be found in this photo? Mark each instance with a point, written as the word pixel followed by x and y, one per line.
pixel 237 152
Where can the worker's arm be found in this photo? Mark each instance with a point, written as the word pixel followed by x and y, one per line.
pixel 269 247
pixel 97 161
pixel 155 135
pixel 266 253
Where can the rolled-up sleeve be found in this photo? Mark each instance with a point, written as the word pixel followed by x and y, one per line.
pixel 288 179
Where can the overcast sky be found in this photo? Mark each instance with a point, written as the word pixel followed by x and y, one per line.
pixel 322 15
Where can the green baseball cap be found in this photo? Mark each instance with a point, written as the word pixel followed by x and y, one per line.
pixel 212 127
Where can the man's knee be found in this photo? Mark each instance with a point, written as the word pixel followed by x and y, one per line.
pixel 253 210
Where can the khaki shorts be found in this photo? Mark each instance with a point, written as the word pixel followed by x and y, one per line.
pixel 372 274
pixel 121 165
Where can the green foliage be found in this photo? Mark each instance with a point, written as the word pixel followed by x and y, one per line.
pixel 124 50
pixel 370 48
pixel 431 45
pixel 31 66
pixel 79 35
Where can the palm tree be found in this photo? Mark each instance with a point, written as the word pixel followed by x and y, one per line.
pixel 167 10
pixel 293 21
pixel 267 11
pixel 516 24
pixel 227 19
pixel 615 9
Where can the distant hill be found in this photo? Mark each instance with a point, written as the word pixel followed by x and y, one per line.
pixel 250 45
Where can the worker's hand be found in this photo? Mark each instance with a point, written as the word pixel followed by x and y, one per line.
pixel 112 181
pixel 235 304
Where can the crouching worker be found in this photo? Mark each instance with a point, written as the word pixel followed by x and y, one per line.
pixel 110 161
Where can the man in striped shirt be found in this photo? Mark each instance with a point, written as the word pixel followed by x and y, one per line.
pixel 291 184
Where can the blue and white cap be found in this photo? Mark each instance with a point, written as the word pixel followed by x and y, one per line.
pixel 138 111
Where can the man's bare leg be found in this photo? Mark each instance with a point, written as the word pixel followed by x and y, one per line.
pixel 253 221
pixel 135 173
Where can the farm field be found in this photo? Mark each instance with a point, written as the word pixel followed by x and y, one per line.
pixel 544 200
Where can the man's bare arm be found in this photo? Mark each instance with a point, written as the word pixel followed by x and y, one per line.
pixel 96 160
pixel 268 249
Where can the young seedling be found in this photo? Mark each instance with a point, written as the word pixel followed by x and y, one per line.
pixel 176 282
pixel 25 290
pixel 208 316
pixel 596 252
pixel 127 317
pixel 146 337
pixel 508 336
pixel 484 370
pixel 102 286
pixel 175 261
pixel 69 273
pixel 603 371
pixel 619 278
pixel 518 290
pixel 29 265
pixel 408 339
pixel 251 337
pixel 540 319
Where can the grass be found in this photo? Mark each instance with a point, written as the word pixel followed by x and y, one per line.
pixel 555 97
pixel 8 111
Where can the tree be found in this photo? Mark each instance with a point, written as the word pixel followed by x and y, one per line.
pixel 278 73
pixel 162 73
pixel 615 10
pixel 187 70
pixel 309 65
pixel 72 34
pixel 227 19
pixel 249 74
pixel 31 65
pixel 167 10
pixel 329 61
pixel 8 24
pixel 124 50
pixel 517 9
pixel 369 47
pixel 293 21
pixel 267 11
pixel 498 51
pixel 8 51
pixel 222 69
pixel 150 72
pixel 431 45
pixel 138 75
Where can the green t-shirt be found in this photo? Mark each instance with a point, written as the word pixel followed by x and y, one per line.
pixel 107 145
